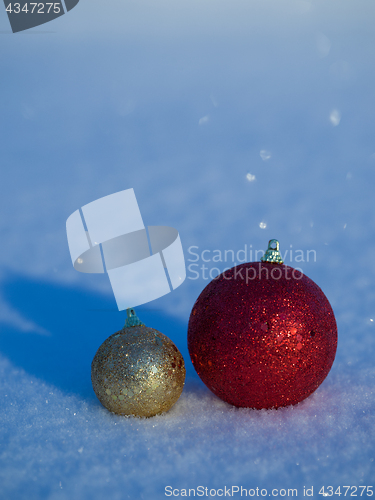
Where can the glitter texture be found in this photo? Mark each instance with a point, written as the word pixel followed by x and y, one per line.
pixel 262 335
pixel 138 371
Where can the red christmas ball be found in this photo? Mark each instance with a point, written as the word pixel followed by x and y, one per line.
pixel 262 335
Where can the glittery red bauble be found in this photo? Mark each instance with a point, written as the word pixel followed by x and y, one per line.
pixel 262 335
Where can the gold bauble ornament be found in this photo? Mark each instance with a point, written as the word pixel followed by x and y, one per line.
pixel 138 371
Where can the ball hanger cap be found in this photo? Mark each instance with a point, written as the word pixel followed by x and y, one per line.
pixel 272 254
pixel 132 319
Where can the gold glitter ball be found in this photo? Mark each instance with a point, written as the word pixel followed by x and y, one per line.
pixel 138 371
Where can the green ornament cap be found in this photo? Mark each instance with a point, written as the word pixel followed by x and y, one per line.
pixel 132 319
pixel 272 253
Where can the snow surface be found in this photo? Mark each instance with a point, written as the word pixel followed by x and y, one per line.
pixel 235 122
pixel 57 444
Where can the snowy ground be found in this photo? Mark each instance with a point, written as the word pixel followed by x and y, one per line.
pixel 235 123
pixel 59 442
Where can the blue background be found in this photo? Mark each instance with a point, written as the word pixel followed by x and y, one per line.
pixel 182 100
